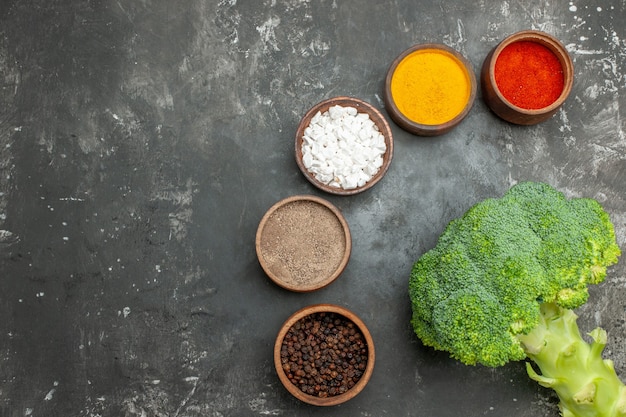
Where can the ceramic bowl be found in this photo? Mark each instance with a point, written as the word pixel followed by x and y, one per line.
pixel 362 107
pixel 280 360
pixel 303 243
pixel 503 107
pixel 459 72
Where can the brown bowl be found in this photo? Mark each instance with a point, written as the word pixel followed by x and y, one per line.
pixel 504 108
pixel 282 359
pixel 361 107
pixel 461 72
pixel 303 243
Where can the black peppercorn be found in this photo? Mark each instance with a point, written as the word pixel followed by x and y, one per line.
pixel 324 354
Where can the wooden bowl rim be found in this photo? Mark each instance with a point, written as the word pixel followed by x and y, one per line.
pixel 362 107
pixel 337 399
pixel 556 47
pixel 344 225
pixel 419 128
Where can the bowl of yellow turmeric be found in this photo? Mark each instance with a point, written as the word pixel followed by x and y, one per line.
pixel 429 89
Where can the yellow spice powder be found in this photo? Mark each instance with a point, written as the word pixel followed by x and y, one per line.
pixel 430 86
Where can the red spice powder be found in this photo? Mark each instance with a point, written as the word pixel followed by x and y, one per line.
pixel 529 75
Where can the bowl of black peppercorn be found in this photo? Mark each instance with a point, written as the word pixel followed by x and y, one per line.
pixel 324 355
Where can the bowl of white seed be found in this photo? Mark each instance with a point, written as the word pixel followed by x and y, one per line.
pixel 344 145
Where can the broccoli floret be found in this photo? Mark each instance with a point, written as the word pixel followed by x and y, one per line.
pixel 507 268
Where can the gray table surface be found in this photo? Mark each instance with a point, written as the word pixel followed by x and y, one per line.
pixel 142 141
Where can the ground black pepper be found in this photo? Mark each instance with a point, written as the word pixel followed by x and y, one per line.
pixel 303 243
pixel 324 354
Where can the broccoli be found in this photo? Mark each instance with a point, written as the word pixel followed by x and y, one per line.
pixel 500 286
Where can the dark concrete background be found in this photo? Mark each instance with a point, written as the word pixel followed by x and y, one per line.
pixel 141 141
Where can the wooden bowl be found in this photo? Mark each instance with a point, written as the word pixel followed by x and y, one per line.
pixel 362 107
pixel 460 72
pixel 303 243
pixel 503 107
pixel 295 390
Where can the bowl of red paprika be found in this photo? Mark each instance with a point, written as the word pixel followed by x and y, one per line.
pixel 527 77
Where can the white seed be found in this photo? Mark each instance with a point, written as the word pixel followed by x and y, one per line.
pixel 343 148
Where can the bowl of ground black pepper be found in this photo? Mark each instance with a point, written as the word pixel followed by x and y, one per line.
pixel 527 77
pixel 324 355
pixel 303 243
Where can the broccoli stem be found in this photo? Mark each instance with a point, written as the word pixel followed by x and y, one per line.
pixel 586 384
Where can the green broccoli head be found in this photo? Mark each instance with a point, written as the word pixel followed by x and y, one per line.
pixel 484 281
